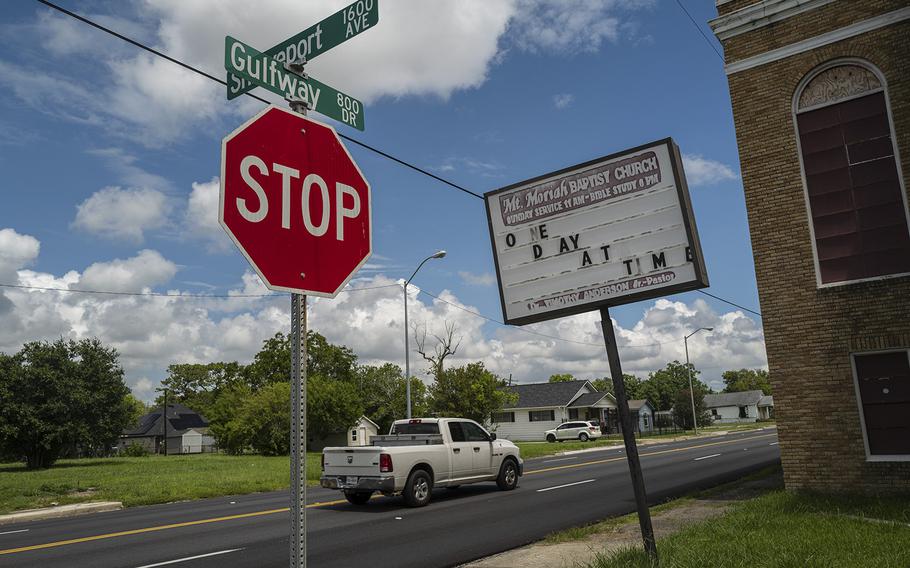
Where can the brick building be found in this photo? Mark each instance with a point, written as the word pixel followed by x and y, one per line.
pixel 820 101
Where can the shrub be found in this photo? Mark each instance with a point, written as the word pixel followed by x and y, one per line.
pixel 135 451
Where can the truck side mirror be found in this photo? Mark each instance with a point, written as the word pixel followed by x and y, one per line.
pixel 492 436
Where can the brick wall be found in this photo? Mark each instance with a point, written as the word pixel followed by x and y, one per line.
pixel 810 332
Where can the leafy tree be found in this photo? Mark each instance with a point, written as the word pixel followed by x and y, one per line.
pixel 227 419
pixel 682 408
pixel 469 392
pixel 663 385
pixel 747 379
pixel 332 406
pixel 136 408
pixel 272 364
pixel 60 396
pixel 634 386
pixel 383 392
pixel 197 385
pixel 334 362
pixel 267 416
pixel 562 378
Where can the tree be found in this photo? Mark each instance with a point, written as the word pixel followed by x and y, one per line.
pixel 634 386
pixel 562 378
pixel 61 396
pixel 445 345
pixel 663 385
pixel 747 379
pixel 272 364
pixel 469 392
pixel 227 419
pixel 383 392
pixel 682 408
pixel 136 409
pixel 332 406
pixel 268 420
pixel 197 385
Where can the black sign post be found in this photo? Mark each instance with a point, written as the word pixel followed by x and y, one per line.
pixel 628 434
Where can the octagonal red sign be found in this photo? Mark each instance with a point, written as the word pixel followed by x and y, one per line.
pixel 295 203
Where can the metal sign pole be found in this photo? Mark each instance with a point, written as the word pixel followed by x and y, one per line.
pixel 628 434
pixel 298 430
pixel 298 405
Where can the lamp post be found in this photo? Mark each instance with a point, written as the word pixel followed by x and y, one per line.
pixel 407 348
pixel 689 372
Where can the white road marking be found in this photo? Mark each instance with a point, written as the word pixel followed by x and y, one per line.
pixel 189 558
pixel 774 443
pixel 706 457
pixel 13 532
pixel 559 460
pixel 566 485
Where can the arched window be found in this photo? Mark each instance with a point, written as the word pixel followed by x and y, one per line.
pixel 854 189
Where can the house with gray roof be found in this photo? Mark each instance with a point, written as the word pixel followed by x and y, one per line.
pixel 186 431
pixel 732 407
pixel 544 406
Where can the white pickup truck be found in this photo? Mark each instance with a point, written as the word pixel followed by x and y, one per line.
pixel 418 455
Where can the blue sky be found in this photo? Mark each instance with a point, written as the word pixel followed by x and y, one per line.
pixel 109 157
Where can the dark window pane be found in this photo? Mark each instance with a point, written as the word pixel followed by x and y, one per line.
pixel 828 182
pixel 877 194
pixel 866 128
pixel 869 106
pixel 884 387
pixel 830 203
pixel 870 150
pixel 825 139
pixel 886 215
pixel 835 225
pixel 873 172
pixel 456 431
pixel 818 119
pixel 842 269
pixel 887 262
pixel 825 161
pixel 839 247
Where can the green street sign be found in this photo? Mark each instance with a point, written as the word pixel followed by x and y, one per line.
pixel 257 68
pixel 315 40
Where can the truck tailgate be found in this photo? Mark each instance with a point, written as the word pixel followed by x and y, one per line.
pixel 359 461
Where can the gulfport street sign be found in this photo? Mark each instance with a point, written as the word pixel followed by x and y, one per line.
pixel 315 40
pixel 614 230
pixel 295 203
pixel 245 62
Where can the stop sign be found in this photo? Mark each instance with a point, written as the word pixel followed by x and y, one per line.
pixel 295 203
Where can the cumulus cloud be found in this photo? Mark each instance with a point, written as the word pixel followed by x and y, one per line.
pixel 704 171
pixel 201 215
pixel 563 100
pixel 16 251
pixel 118 213
pixel 484 279
pixel 135 274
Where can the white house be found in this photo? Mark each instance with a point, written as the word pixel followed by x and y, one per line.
pixel 544 406
pixel 186 431
pixel 357 435
pixel 742 406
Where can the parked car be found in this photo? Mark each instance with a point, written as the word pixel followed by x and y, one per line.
pixel 583 431
pixel 418 455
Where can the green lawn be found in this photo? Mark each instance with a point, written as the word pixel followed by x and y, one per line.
pixel 540 449
pixel 786 530
pixel 145 481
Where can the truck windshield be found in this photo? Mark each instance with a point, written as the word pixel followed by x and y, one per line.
pixel 416 428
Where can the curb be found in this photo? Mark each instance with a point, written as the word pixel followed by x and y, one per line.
pixel 60 511
pixel 659 441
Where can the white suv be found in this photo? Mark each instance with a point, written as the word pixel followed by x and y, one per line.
pixel 583 431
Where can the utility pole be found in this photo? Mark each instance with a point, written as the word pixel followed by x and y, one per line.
pixel 689 373
pixel 164 417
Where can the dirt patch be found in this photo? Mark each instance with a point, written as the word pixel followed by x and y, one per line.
pixel 581 552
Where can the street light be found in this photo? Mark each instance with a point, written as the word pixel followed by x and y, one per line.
pixel 689 372
pixel 407 348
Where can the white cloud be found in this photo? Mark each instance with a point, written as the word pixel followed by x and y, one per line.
pixel 567 28
pixel 563 100
pixel 128 172
pixel 201 216
pixel 118 213
pixel 16 251
pixel 485 279
pixel 703 171
pixel 146 269
pixel 151 332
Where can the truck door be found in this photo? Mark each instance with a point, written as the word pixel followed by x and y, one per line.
pixel 481 448
pixel 461 451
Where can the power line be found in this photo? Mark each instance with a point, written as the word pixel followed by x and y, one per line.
pixel 167 295
pixel 731 303
pixel 364 145
pixel 697 27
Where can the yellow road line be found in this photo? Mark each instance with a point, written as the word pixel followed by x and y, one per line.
pixel 323 504
pixel 623 458
pixel 161 528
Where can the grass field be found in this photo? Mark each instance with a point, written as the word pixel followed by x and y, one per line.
pixel 784 529
pixel 540 449
pixel 147 480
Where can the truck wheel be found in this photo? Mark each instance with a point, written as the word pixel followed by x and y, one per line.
pixel 418 488
pixel 551 438
pixel 358 497
pixel 508 475
pixel 583 437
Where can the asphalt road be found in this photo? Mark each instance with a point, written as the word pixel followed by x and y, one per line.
pixel 458 526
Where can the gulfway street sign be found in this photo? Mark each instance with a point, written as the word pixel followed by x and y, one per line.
pixel 248 63
pixel 295 203
pixel 315 40
pixel 611 231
